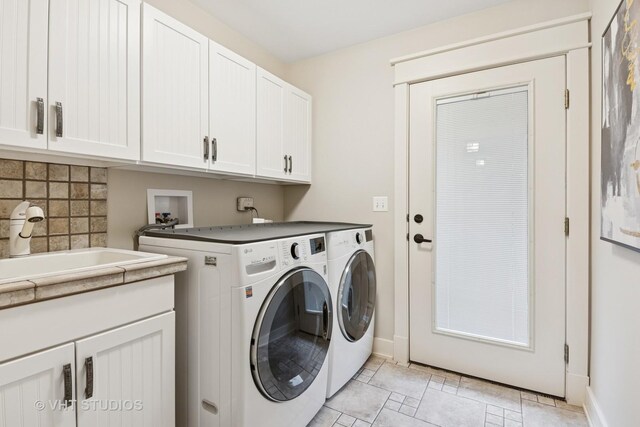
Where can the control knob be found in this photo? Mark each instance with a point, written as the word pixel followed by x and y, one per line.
pixel 295 251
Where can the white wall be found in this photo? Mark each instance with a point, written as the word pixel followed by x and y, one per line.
pixel 214 200
pixel 615 280
pixel 353 121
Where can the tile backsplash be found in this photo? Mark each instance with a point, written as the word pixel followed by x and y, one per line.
pixel 74 200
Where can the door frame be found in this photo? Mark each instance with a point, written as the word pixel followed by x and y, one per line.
pixel 566 36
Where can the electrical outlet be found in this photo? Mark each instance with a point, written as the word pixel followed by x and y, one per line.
pixel 244 203
pixel 380 204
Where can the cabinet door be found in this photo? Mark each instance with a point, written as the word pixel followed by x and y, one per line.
pixel 297 134
pixel 175 92
pixel 32 390
pixel 270 126
pixel 232 111
pixel 23 73
pixel 94 77
pixel 133 366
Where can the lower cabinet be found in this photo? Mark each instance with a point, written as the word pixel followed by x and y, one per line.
pixel 122 377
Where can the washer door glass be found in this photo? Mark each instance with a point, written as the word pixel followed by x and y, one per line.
pixel 291 336
pixel 357 296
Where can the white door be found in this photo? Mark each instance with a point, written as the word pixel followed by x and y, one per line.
pixel 94 77
pixel 232 111
pixel 133 366
pixel 297 131
pixel 271 96
pixel 175 92
pixel 23 73
pixel 487 176
pixel 37 390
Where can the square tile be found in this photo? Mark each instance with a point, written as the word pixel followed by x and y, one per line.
pixel 564 405
pixel 80 241
pixel 363 378
pixel 540 415
pixel 58 226
pixel 324 418
pixel 360 423
pixel 79 191
pixel 99 175
pixel 408 410
pixel 80 173
pixel 514 416
pixel 401 380
pixel 99 191
pixel 4 248
pixel 33 170
pixel 58 172
pixel 410 401
pixel 79 208
pixel 397 397
pixel 359 400
pixel 487 392
pixel 346 420
pixel 494 419
pixel 374 362
pixel 546 400
pixel 435 385
pixel 58 243
pixel 10 189
pixel 98 207
pixel 437 379
pixel 447 410
pixel 495 410
pixel 393 405
pixel 40 228
pixel 528 396
pixel 4 228
pixel 11 169
pixel 98 240
pixel 388 418
pixel 511 423
pixel 450 389
pixel 34 189
pixel 58 190
pixel 58 208
pixel 7 206
pixel 79 225
pixel 39 245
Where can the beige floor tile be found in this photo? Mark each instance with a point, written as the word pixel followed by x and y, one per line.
pixel 407 410
pixel 494 419
pixel 564 405
pixel 447 410
pixel 388 418
pixel 359 400
pixel 374 362
pixel 346 420
pixel 397 397
pixel 324 418
pixel 393 405
pixel 490 393
pixel 495 410
pixel 408 382
pixel 539 415
pixel 360 423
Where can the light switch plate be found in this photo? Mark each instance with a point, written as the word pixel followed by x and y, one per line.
pixel 380 204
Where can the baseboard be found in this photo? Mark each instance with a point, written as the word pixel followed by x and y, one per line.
pixel 383 347
pixel 401 349
pixel 576 390
pixel 595 417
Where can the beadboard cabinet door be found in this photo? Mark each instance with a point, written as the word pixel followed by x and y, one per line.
pixel 232 111
pixel 297 135
pixel 271 96
pixel 23 73
pixel 175 92
pixel 133 366
pixel 32 389
pixel 94 78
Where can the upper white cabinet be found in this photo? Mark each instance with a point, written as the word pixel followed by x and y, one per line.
pixel 94 77
pixel 284 130
pixel 35 388
pixel 232 111
pixel 23 73
pixel 175 92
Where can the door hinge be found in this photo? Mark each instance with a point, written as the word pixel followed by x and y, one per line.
pixel 407 217
pixel 566 226
pixel 566 353
pixel 566 98
pixel 407 237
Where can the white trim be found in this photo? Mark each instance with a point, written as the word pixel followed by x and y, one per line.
pixel 383 347
pixel 592 410
pixel 497 36
pixel 567 36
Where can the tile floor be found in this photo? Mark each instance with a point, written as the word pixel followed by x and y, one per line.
pixel 387 394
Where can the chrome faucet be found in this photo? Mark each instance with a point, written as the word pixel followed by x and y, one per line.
pixel 23 218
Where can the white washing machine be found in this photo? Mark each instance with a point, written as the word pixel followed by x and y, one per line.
pixel 253 321
pixel 352 281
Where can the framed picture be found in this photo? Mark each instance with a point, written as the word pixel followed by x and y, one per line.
pixel 620 174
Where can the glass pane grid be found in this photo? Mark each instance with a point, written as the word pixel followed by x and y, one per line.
pixel 482 217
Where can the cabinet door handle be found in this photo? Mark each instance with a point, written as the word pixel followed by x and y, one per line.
pixel 285 163
pixel 40 116
pixel 206 148
pixel 214 147
pixel 68 384
pixel 88 366
pixel 290 164
pixel 59 120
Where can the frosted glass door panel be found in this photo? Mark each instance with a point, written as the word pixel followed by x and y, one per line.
pixel 482 216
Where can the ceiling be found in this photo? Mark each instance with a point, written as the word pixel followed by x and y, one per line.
pixel 298 29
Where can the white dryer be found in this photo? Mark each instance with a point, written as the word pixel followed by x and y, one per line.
pixel 352 280
pixel 254 320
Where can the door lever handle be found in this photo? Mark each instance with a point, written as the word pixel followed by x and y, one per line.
pixel 419 238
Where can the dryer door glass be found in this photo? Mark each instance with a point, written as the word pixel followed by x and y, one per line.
pixel 291 336
pixel 357 296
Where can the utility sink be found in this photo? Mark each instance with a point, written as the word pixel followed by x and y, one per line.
pixel 65 262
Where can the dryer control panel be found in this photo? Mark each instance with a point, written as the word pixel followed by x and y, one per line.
pixel 302 249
